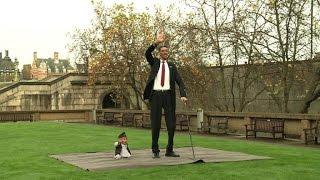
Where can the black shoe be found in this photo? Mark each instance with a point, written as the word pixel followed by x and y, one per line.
pixel 172 154
pixel 155 155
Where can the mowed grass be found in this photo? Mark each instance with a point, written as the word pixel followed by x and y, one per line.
pixel 24 150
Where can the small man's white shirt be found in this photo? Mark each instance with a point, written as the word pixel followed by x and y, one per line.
pixel 124 151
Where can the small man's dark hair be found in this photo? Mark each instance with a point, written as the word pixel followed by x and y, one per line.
pixel 122 135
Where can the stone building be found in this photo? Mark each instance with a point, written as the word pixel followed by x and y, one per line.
pixel 42 68
pixel 9 71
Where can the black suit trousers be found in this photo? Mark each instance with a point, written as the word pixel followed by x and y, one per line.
pixel 159 100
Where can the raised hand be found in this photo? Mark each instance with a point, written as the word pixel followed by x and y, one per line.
pixel 161 37
pixel 184 100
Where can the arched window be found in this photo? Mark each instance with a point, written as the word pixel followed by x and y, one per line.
pixel 109 101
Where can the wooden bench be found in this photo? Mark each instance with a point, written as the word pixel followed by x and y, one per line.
pixel 182 121
pixel 312 134
pixel 266 125
pixel 14 117
pixel 218 124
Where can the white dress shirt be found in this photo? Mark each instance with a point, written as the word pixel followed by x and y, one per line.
pixel 157 81
pixel 124 151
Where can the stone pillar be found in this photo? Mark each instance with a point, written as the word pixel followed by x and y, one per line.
pixel 247 120
pixel 199 119
pixel 303 125
pixel 55 101
pixel 94 116
pixel 16 69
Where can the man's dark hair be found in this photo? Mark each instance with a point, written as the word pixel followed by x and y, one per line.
pixel 162 46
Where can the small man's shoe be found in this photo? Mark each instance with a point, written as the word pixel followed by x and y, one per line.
pixel 172 154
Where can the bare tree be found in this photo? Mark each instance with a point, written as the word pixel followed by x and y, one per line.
pixel 283 41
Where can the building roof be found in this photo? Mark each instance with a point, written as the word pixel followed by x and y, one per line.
pixel 7 64
pixel 51 66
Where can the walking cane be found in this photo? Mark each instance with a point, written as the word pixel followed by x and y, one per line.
pixel 190 137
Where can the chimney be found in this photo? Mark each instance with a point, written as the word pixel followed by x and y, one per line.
pixel 56 57
pixel 7 53
pixel 35 57
pixel 16 62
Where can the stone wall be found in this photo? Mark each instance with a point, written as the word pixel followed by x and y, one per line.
pixel 256 81
pixel 68 92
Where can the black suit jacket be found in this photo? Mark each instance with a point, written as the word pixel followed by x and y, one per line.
pixel 174 77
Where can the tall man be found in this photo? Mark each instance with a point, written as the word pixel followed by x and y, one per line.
pixel 160 90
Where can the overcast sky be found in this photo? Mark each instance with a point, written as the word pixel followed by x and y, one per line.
pixel 41 25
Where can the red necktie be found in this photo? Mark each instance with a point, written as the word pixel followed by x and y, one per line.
pixel 162 73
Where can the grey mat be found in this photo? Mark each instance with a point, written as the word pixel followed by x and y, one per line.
pixel 142 158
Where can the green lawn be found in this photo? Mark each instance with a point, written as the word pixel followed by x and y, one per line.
pixel 24 149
